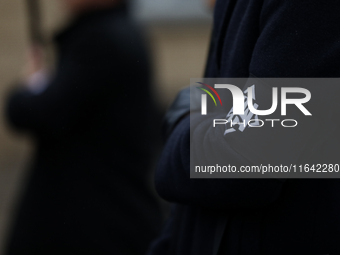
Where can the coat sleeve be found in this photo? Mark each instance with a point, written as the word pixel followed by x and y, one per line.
pixel 173 181
pixel 291 44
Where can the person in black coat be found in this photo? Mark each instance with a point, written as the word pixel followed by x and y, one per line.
pixel 262 38
pixel 88 191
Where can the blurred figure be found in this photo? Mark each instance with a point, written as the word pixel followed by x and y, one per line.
pixel 88 192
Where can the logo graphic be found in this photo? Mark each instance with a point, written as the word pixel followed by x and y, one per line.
pixel 238 99
pixel 243 120
pixel 244 112
pixel 204 97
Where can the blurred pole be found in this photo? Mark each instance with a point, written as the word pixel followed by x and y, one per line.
pixel 34 21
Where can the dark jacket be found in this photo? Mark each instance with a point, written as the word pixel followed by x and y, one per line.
pixel 265 38
pixel 88 191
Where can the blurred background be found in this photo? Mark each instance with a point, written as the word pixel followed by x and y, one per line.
pixel 178 33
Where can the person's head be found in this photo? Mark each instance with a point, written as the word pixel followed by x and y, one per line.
pixel 79 6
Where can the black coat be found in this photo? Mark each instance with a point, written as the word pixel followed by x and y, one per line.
pixel 265 38
pixel 88 192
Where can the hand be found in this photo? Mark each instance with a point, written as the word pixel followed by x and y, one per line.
pixel 35 75
pixel 35 60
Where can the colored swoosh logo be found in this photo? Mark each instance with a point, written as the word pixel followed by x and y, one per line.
pixel 213 90
pixel 209 94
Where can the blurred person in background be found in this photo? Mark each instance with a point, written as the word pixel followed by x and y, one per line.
pixel 88 191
